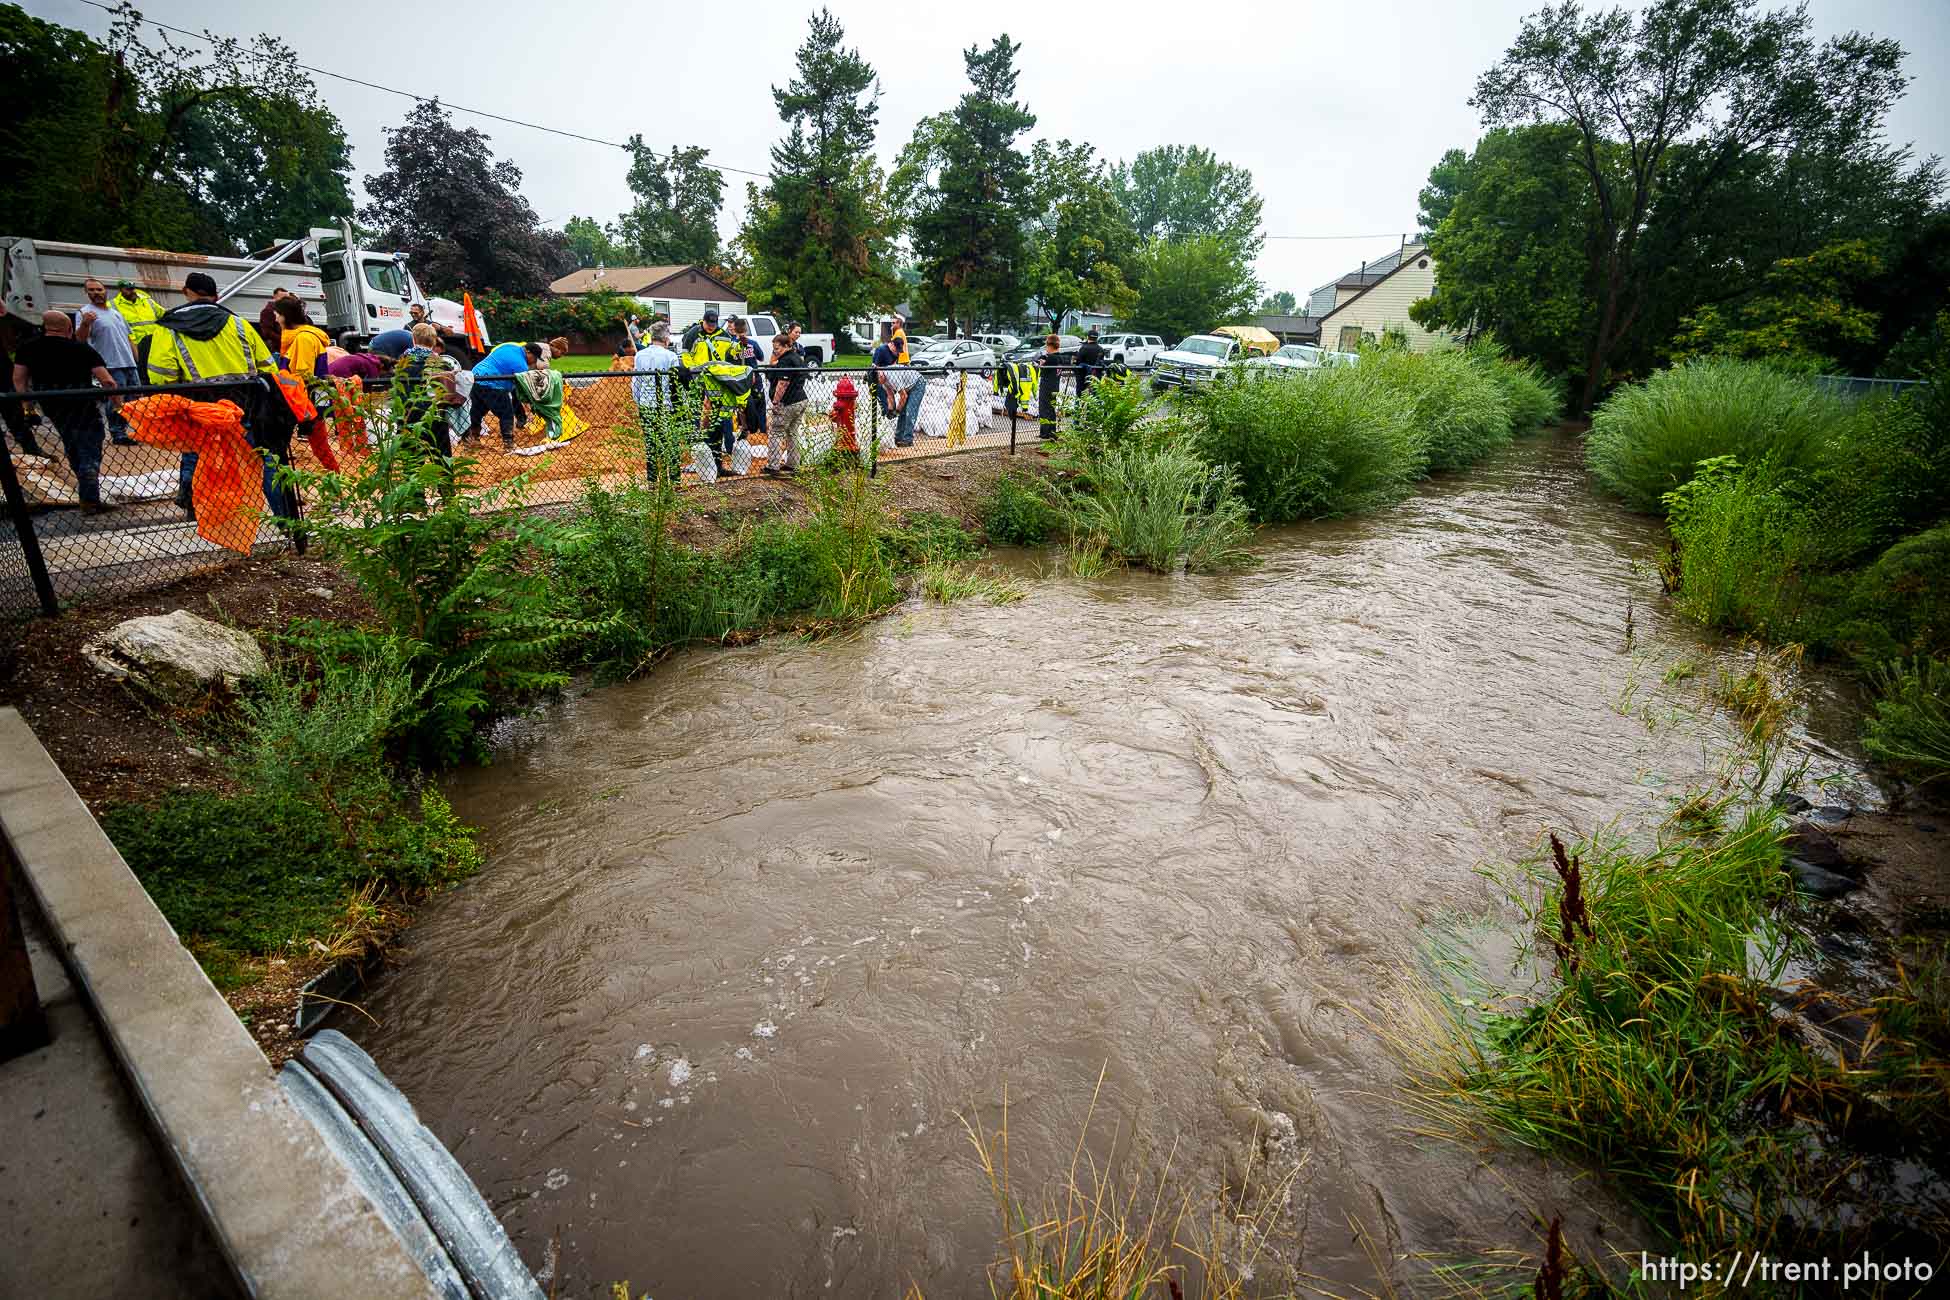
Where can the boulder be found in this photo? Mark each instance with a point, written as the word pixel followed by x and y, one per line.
pixel 1817 883
pixel 1810 843
pixel 176 654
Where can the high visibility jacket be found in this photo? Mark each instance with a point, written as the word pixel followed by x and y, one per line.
pixel 232 352
pixel 140 312
pixel 720 360
pixel 1021 377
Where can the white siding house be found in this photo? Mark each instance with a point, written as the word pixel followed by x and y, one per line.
pixel 1364 312
pixel 682 292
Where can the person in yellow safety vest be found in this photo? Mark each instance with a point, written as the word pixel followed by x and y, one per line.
pixel 138 309
pixel 718 359
pixel 202 339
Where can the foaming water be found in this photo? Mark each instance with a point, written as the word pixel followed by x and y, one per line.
pixel 760 929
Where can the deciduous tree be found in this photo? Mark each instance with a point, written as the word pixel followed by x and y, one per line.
pixel 1082 249
pixel 1188 286
pixel 457 212
pixel 1719 77
pixel 674 221
pixel 1177 191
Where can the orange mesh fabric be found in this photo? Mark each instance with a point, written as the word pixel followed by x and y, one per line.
pixel 228 487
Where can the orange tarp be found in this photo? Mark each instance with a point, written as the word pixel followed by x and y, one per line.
pixel 228 486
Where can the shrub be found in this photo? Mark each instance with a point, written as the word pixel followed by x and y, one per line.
pixel 928 536
pixel 1534 398
pixel 1162 506
pixel 1332 442
pixel 446 564
pixel 1459 409
pixel 1646 440
pixel 1910 726
pixel 1906 595
pixel 1019 511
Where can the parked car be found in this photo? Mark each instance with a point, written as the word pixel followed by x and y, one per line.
pixel 1193 360
pixel 1137 351
pixel 1002 343
pixel 1293 356
pixel 955 354
pixel 1032 350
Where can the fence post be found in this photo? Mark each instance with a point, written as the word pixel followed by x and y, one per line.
pixel 873 439
pixel 30 545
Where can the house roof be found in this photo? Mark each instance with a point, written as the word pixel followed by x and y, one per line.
pixel 1364 277
pixel 1288 324
pixel 1415 251
pixel 629 279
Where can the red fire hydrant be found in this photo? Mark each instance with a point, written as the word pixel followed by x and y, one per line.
pixel 845 395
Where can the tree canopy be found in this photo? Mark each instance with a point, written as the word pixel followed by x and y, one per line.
pixel 1669 106
pixel 1189 285
pixel 1081 247
pixel 1179 191
pixel 457 212
pixel 674 220
pixel 218 150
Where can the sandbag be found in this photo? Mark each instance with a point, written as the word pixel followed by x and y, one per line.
pixel 704 463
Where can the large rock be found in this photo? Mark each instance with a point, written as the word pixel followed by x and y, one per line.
pixel 176 654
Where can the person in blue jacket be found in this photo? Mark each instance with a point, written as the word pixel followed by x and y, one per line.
pixel 494 388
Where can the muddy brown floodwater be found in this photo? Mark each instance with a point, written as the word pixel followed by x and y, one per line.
pixel 758 929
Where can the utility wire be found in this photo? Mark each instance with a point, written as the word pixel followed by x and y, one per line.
pixel 555 130
pixel 407 94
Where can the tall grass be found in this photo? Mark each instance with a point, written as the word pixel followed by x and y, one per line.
pixel 1910 725
pixel 1533 397
pixel 1656 1055
pixel 1459 409
pixel 1161 507
pixel 1646 440
pixel 1332 442
pixel 1747 556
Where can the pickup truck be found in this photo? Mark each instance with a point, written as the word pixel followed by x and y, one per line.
pixel 1137 351
pixel 1194 360
pixel 817 347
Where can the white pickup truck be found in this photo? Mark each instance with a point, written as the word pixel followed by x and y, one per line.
pixel 1193 360
pixel 817 347
pixel 1138 351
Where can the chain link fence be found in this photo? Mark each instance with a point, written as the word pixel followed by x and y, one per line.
pixel 122 493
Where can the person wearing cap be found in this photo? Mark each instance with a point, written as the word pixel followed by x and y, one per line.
pixel 710 350
pixel 202 340
pixel 1090 363
pixel 138 309
pixel 493 392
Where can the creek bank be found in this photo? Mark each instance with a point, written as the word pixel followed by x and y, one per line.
pixel 118 744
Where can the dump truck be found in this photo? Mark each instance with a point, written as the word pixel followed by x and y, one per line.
pixel 344 287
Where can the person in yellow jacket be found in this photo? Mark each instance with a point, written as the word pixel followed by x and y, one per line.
pixel 203 339
pixel 718 359
pixel 138 309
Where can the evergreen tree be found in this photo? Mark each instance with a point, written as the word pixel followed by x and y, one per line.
pixel 816 234
pixel 968 184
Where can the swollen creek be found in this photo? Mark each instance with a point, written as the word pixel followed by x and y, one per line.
pixel 759 930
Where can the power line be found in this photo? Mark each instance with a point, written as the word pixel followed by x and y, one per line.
pixel 407 94
pixel 570 135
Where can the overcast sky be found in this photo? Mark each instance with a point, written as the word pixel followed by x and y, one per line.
pixel 1338 109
